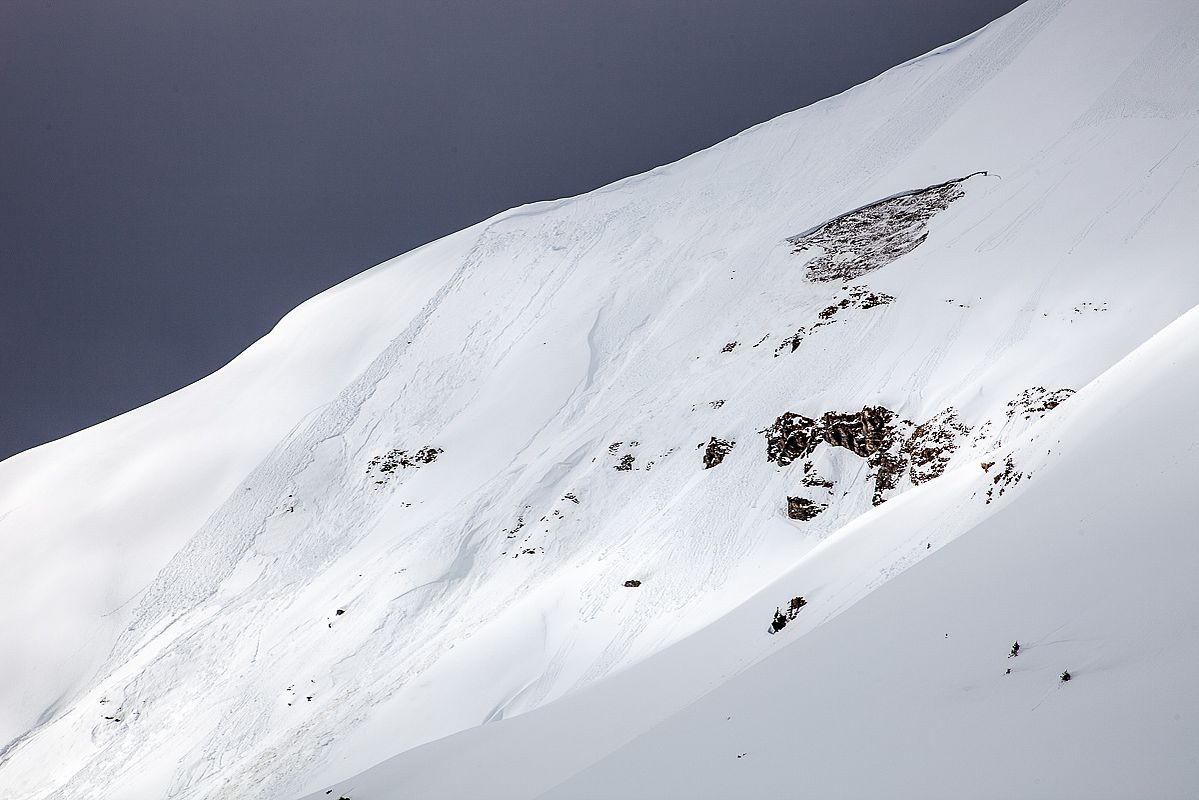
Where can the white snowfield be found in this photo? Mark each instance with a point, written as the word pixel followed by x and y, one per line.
pixel 383 553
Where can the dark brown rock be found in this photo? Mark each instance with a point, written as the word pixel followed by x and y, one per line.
pixel 862 432
pixel 716 451
pixel 791 436
pixel 801 508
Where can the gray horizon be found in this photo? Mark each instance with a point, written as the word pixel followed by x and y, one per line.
pixel 178 176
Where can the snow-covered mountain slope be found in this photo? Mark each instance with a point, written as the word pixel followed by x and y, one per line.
pixel 775 368
pixel 913 690
pixel 1091 570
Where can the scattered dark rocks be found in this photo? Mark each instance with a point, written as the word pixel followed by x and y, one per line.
pixel 402 459
pixel 1037 400
pixel 716 403
pixel 571 497
pixel 868 238
pixel 856 297
pixel 624 463
pixel 632 584
pixel 791 343
pixel 728 348
pixel 717 450
pixel 1008 476
pixel 931 445
pixel 520 523
pixel 803 509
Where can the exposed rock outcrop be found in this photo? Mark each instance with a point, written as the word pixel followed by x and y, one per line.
pixel 862 432
pixel 803 509
pixel 791 436
pixel 716 451
pixel 892 446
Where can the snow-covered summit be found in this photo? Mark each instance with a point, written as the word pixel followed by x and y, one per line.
pixel 887 353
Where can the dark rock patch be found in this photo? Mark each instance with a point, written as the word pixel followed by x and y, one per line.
pixel 803 509
pixel 791 343
pixel 782 617
pixel 791 436
pixel 625 464
pixel 632 584
pixel 716 451
pixel 728 348
pixel 862 432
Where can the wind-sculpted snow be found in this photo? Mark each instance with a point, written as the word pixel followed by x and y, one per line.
pixel 515 483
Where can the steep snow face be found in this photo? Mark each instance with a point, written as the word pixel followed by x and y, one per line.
pixel 480 478
pixel 914 691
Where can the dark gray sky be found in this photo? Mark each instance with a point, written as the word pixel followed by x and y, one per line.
pixel 175 175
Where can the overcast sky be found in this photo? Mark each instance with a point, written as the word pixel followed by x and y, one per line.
pixel 175 175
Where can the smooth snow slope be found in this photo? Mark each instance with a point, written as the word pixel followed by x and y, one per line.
pixel 175 575
pixel 1090 567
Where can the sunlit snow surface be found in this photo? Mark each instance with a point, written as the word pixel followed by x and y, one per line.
pixel 173 578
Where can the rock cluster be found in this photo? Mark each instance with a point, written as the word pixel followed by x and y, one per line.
pixel 402 459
